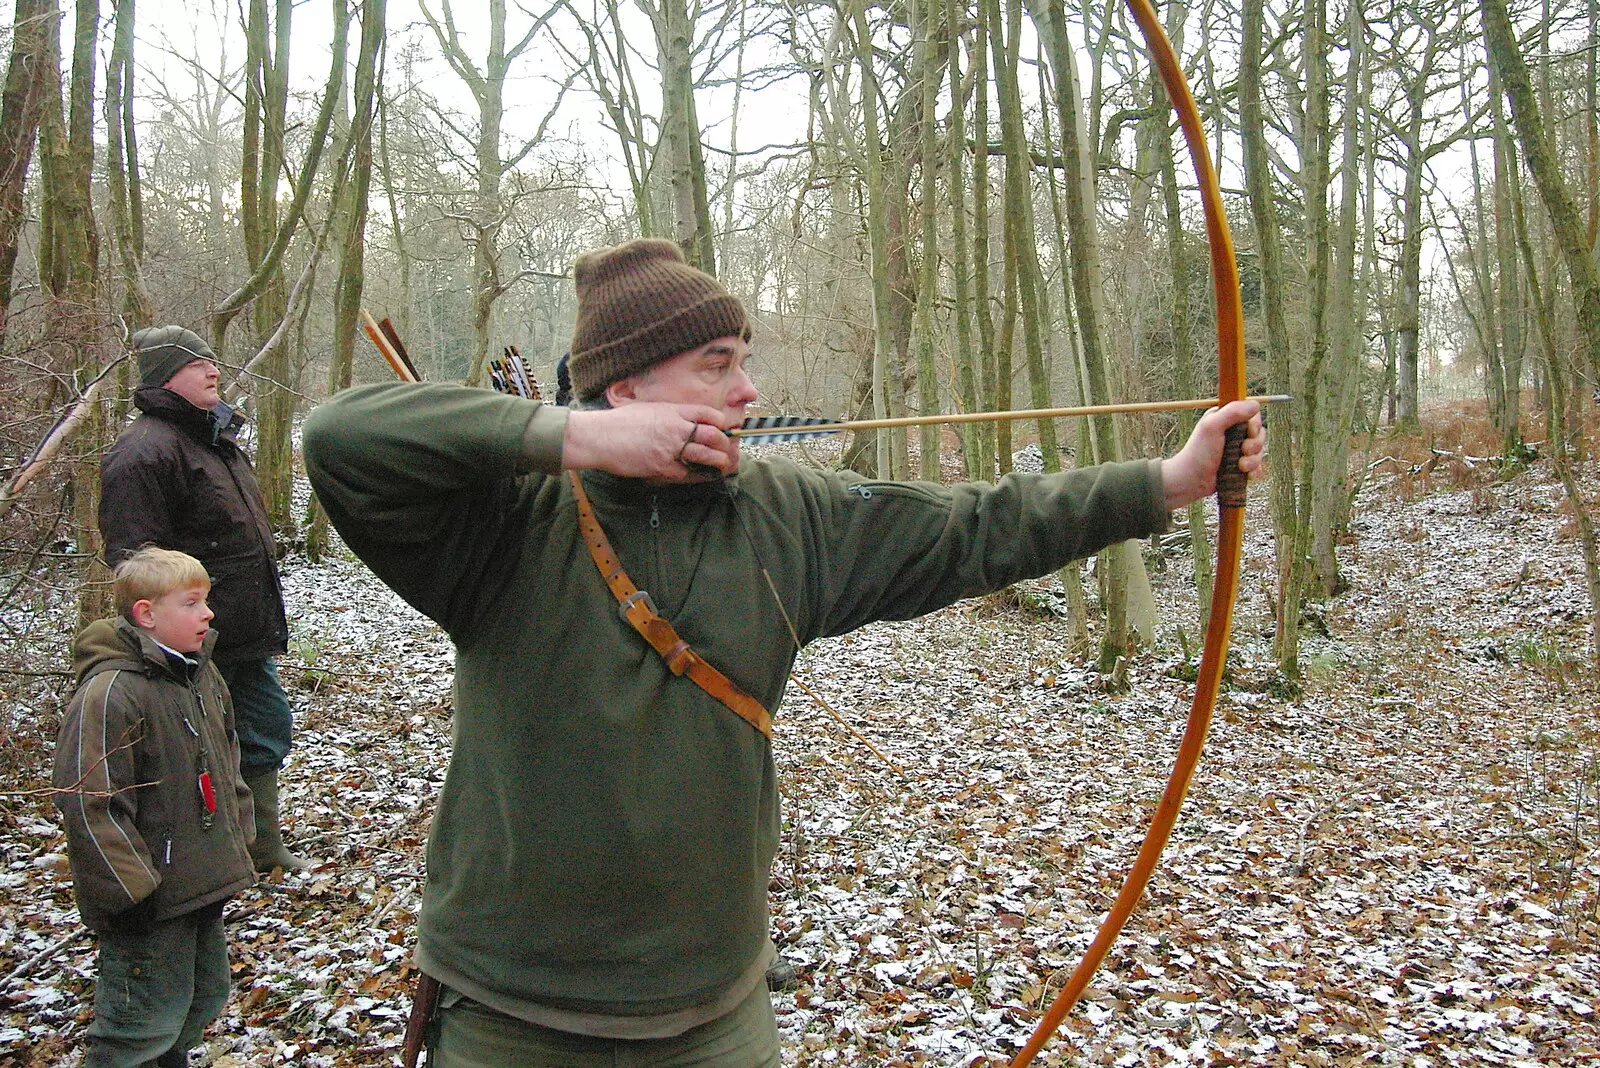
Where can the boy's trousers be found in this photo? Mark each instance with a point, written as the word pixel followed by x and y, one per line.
pixel 157 990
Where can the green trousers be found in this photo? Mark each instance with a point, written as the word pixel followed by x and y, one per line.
pixel 473 1036
pixel 157 990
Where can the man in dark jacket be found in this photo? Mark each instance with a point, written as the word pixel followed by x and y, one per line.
pixel 177 478
pixel 599 859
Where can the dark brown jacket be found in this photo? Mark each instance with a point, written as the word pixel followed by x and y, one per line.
pixel 132 745
pixel 171 481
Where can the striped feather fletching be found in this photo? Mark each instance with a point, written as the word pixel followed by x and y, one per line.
pixel 773 429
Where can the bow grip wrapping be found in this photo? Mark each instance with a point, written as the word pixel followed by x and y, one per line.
pixel 1232 483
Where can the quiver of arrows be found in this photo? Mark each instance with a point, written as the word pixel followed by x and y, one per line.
pixel 509 374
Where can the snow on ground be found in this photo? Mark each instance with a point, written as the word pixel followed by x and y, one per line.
pixel 1398 867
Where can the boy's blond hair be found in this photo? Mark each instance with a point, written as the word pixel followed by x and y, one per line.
pixel 151 573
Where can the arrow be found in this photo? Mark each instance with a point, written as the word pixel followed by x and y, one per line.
pixel 789 427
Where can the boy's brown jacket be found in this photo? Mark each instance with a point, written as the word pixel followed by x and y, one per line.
pixel 132 745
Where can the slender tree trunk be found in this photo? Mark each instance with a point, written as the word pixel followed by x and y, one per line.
pixel 122 169
pixel 878 237
pixel 1344 317
pixel 490 93
pixel 1019 197
pixel 1308 410
pixel 974 466
pixel 680 134
pixel 21 109
pixel 997 458
pixel 1187 382
pixel 1269 257
pixel 896 211
pixel 1565 219
pixel 352 237
pixel 1561 435
pixel 1486 323
pixel 69 257
pixel 1510 287
pixel 1078 154
pixel 1410 327
pixel 1004 372
pixel 929 74
pixel 267 78
pixel 1071 575
pixel 397 226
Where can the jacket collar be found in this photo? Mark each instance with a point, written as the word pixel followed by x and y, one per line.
pixel 152 655
pixel 162 403
pixel 639 493
pixel 117 643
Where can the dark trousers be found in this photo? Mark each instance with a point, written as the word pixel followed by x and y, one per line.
pixel 260 713
pixel 157 992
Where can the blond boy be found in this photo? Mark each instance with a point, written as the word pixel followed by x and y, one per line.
pixel 158 818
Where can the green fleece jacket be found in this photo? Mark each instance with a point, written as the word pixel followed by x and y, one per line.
pixel 604 835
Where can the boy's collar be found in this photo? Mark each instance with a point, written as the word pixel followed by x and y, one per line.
pixel 188 658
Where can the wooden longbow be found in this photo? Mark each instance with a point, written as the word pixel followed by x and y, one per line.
pixel 1230 537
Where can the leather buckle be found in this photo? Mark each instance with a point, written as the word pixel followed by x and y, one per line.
pixel 625 605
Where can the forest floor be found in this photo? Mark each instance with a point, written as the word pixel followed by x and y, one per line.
pixel 1399 866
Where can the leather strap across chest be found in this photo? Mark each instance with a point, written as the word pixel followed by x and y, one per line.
pixel 637 608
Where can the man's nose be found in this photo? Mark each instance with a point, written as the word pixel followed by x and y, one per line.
pixel 744 389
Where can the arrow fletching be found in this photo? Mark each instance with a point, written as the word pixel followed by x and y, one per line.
pixel 774 429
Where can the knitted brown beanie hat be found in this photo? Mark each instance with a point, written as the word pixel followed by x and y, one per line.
pixel 640 303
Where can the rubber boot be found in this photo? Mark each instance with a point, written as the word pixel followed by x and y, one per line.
pixel 782 975
pixel 173 1058
pixel 269 852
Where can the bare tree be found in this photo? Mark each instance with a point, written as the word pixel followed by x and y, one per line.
pixel 21 109
pixel 1559 205
pixel 69 268
pixel 487 86
pixel 122 170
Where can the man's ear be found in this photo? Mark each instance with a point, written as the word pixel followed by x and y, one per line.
pixel 622 392
pixel 143 614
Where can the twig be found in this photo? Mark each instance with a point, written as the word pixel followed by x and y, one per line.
pixel 55 439
pixel 814 695
pixel 44 954
pixel 818 698
pixel 1300 846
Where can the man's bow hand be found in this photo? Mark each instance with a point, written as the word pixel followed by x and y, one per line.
pixel 1192 474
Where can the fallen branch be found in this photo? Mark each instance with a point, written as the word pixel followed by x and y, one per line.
pixel 44 954
pixel 65 427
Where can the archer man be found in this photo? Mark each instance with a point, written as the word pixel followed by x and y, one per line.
pixel 597 872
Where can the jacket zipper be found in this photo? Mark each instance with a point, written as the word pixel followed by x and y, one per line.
pixel 660 577
pixel 203 783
